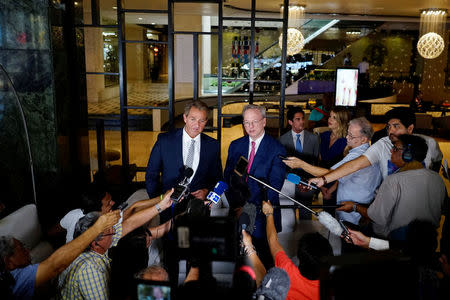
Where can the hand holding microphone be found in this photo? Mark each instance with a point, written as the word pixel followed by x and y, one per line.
pixel 298 180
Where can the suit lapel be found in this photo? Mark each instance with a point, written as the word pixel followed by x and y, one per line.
pixel 203 153
pixel 179 148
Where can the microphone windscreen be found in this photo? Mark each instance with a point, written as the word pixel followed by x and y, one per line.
pixel 250 210
pixel 275 285
pixel 220 188
pixel 244 221
pixel 293 178
pixel 188 172
pixel 330 223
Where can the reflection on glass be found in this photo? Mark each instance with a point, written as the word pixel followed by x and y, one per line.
pixel 138 26
pixel 16 171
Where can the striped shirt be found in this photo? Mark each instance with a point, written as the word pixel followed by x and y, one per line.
pixel 89 274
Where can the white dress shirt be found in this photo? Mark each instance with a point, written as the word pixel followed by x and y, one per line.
pixel 257 143
pixel 186 145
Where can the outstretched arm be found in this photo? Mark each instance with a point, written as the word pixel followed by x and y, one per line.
pixel 347 168
pixel 64 256
pixel 144 215
pixel 297 163
pixel 258 266
pixel 271 232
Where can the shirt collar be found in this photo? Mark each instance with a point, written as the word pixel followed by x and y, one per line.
pixel 362 147
pixel 186 136
pixel 258 140
pixel 294 134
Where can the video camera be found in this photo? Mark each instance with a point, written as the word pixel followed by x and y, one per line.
pixel 206 238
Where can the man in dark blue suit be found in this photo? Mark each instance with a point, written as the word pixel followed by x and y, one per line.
pixel 170 154
pixel 263 153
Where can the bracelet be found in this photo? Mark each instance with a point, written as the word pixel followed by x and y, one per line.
pixel 158 208
pixel 324 180
pixel 269 214
pixel 161 197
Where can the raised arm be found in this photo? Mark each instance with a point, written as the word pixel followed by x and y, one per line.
pixel 258 267
pixel 139 218
pixel 347 168
pixel 271 232
pixel 297 163
pixel 64 256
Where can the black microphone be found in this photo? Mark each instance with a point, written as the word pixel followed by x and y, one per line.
pixel 182 188
pixel 247 218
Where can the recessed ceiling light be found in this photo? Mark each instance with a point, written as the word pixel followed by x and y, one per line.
pixel 139 18
pixel 153 23
pixel 114 7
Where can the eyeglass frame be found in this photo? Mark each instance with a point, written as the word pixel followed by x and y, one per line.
pixel 353 137
pixel 254 122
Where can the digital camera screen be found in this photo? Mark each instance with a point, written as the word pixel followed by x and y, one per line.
pixel 150 291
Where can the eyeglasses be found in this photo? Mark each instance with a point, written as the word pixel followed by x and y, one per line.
pixel 254 122
pixel 351 136
pixel 395 149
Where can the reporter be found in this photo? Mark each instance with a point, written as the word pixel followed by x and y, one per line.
pixel 29 278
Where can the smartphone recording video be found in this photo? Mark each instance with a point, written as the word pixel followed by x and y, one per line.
pixel 241 166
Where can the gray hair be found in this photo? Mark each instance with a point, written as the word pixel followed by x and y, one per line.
pixel 7 246
pixel 366 128
pixel 85 223
pixel 261 109
pixel 200 105
pixel 156 272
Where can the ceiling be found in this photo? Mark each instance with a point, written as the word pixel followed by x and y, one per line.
pixel 404 8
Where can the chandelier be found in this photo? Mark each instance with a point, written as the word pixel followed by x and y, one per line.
pixel 432 27
pixel 295 39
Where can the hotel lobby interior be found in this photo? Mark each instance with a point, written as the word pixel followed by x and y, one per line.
pixel 87 86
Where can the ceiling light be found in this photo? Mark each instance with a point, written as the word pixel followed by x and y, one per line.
pixel 295 39
pixel 432 28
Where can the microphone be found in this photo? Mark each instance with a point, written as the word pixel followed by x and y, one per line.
pixel 182 188
pixel 275 285
pixel 330 223
pixel 216 194
pixel 247 218
pixel 298 180
pixel 324 218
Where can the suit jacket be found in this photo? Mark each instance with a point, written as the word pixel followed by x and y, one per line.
pixel 310 146
pixel 266 166
pixel 165 166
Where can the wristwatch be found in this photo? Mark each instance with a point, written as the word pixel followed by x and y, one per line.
pixel 355 206
pixel 158 208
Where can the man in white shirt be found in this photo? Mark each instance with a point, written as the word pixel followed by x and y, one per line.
pixel 400 120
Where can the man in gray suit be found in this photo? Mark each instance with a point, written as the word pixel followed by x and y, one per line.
pixel 302 144
pixel 298 141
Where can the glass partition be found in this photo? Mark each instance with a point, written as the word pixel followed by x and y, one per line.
pixel 16 169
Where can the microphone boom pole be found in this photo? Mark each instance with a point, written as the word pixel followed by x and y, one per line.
pixel 283 194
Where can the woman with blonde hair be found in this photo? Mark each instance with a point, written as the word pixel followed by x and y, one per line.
pixel 333 142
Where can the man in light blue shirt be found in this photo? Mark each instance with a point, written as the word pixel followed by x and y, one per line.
pixel 359 186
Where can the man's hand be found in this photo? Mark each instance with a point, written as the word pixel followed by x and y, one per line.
pixel 346 206
pixel 317 181
pixel 358 238
pixel 200 194
pixel 293 162
pixel 267 208
pixel 303 188
pixel 166 201
pixel 107 220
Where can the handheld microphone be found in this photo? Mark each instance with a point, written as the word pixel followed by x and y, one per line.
pixel 122 206
pixel 298 180
pixel 247 218
pixel 182 188
pixel 216 194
